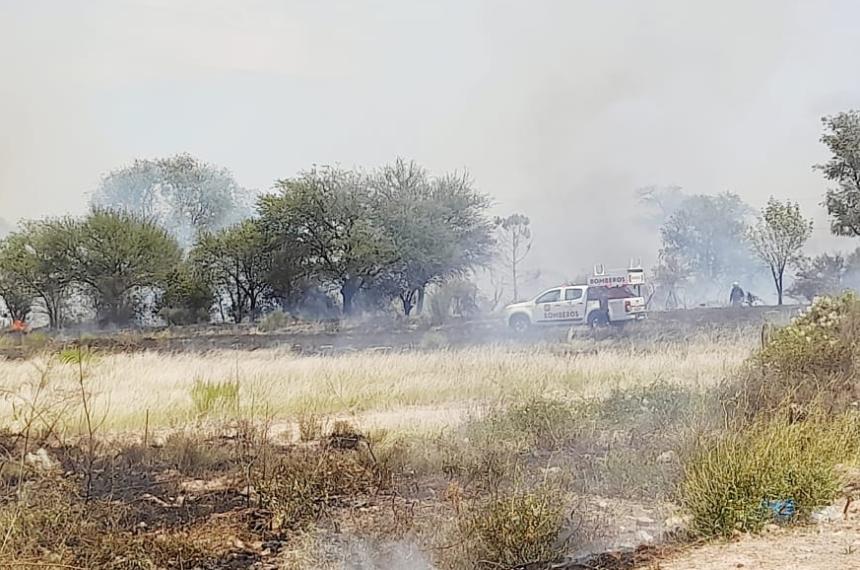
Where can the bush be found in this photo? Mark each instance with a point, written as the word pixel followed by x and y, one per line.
pixel 813 360
pixel 514 529
pixel 729 477
pixel 307 481
pixel 188 297
pixel 274 321
pixel 453 298
pixel 535 423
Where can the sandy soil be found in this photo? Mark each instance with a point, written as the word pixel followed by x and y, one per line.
pixel 832 545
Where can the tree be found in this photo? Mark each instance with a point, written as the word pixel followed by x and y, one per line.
pixel 670 274
pixel 34 265
pixel 237 260
pixel 516 243
pixel 706 235
pixel 778 237
pixel 119 257
pixel 437 227
pixel 842 137
pixel 179 192
pixel 16 296
pixel 188 296
pixel 660 203
pixel 326 213
pixel 821 275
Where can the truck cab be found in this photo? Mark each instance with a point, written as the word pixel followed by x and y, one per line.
pixel 608 298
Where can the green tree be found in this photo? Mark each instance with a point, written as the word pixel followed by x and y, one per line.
pixel 778 237
pixel 188 296
pixel 821 275
pixel 15 295
pixel 34 265
pixel 707 236
pixel 437 227
pixel 515 240
pixel 178 192
pixel 326 215
pixel 842 137
pixel 237 260
pixel 118 257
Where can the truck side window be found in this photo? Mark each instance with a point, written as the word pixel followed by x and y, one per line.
pixel 572 294
pixel 550 296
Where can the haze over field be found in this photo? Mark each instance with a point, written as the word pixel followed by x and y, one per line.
pixel 558 109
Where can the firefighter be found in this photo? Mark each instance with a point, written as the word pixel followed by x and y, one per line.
pixel 737 296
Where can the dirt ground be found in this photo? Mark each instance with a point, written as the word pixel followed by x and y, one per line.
pixel 831 545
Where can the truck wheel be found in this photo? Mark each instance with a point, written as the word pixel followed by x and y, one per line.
pixel 519 323
pixel 598 319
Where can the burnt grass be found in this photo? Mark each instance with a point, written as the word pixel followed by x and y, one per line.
pixel 234 498
pixel 237 500
pixel 332 337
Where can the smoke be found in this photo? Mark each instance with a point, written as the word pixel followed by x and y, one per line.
pixel 560 110
pixel 362 555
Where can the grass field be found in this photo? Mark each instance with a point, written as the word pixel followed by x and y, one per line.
pixel 428 387
pixel 431 455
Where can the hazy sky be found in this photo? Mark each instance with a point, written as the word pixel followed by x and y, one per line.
pixel 559 109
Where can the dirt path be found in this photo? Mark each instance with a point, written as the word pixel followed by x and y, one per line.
pixel 833 545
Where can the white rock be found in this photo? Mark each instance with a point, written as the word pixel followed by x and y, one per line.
pixel 826 515
pixel 667 457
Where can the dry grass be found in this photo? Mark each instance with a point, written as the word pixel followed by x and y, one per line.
pixel 127 388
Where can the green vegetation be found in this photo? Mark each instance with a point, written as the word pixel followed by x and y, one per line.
pixel 727 480
pixel 209 397
pixel 515 529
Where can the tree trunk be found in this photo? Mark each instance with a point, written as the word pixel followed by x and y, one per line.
pixel 409 298
pixel 419 307
pixel 779 289
pixel 347 293
pixel 252 307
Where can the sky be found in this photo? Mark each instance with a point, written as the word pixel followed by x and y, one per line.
pixel 558 109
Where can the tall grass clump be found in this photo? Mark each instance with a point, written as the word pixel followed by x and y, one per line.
pixel 209 397
pixel 813 360
pixel 730 478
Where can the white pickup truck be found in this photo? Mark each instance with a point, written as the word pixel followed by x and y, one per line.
pixel 613 297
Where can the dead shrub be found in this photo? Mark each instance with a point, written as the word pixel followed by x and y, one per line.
pixel 307 481
pixel 50 524
pixel 310 426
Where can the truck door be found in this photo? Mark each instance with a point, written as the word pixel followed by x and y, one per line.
pixel 547 305
pixel 574 303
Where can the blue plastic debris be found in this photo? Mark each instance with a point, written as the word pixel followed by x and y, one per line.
pixel 781 510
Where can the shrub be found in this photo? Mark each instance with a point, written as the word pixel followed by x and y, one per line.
pixel 434 340
pixel 307 481
pixel 514 529
pixel 537 422
pixel 310 426
pixel 810 361
pixel 209 396
pixel 727 479
pixel 274 321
